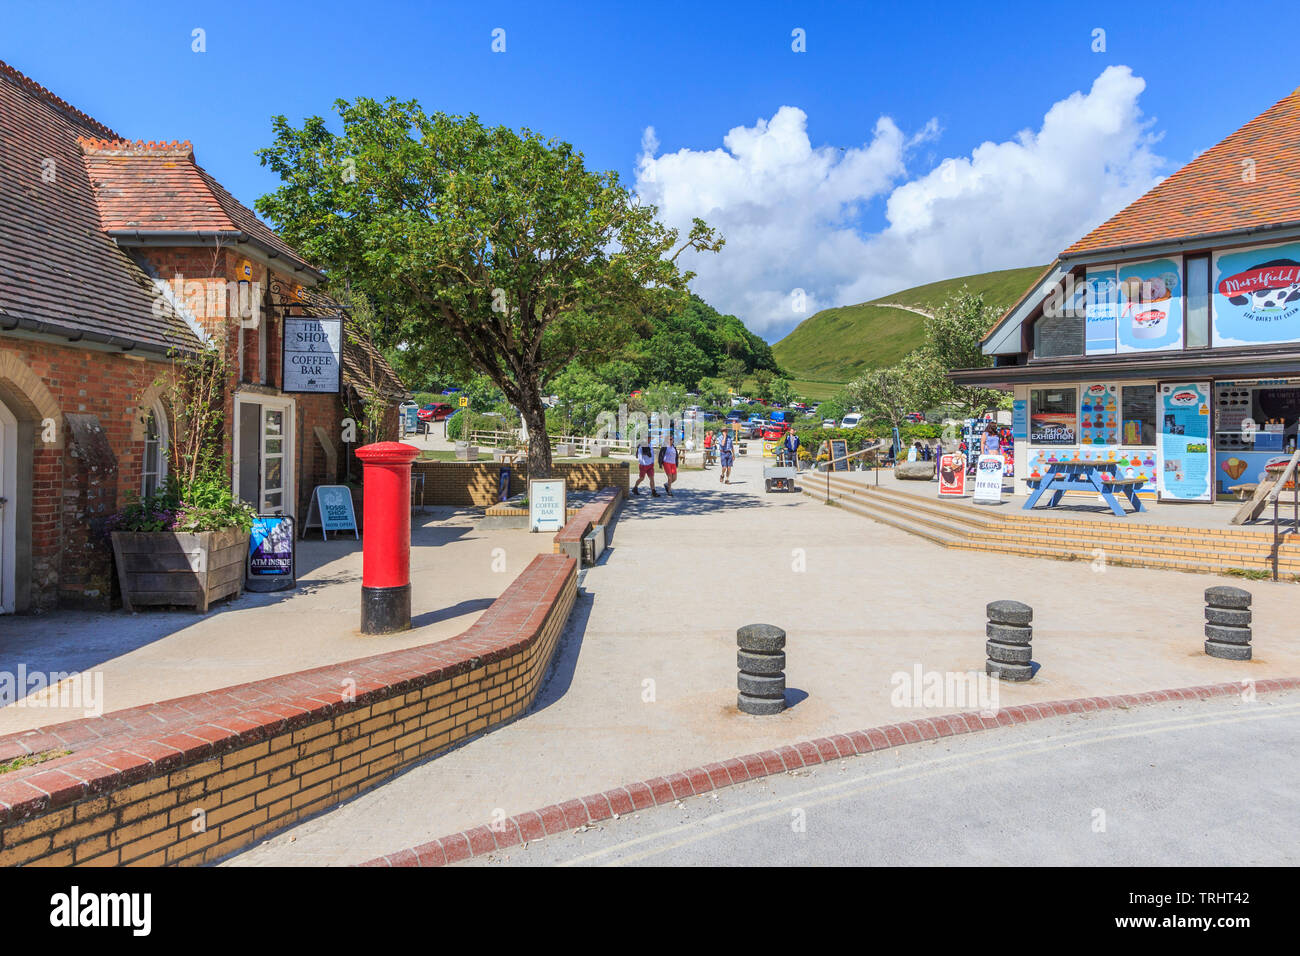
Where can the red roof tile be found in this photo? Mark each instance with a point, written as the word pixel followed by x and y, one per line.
pixel 157 187
pixel 1248 181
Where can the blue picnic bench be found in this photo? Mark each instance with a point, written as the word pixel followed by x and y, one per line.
pixel 1075 475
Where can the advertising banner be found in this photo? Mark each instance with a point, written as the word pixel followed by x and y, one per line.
pixel 988 480
pixel 1020 420
pixel 1053 428
pixel 1150 305
pixel 952 476
pixel 1244 468
pixel 1102 310
pixel 270 553
pixel 331 510
pixel 1257 295
pixel 1185 441
pixel 1098 415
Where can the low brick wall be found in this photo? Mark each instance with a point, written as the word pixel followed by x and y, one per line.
pixel 602 509
pixel 193 779
pixel 475 482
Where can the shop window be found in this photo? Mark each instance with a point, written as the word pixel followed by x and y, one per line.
pixel 1060 335
pixel 1053 416
pixel 1198 302
pixel 154 466
pixel 1138 408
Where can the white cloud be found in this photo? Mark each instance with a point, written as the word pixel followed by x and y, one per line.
pixel 788 210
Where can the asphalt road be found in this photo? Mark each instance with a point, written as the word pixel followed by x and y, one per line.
pixel 1205 783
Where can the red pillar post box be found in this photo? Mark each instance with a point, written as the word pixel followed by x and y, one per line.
pixel 386 545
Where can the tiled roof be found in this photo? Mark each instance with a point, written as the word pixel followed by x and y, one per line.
pixel 157 187
pixel 1248 181
pixel 58 268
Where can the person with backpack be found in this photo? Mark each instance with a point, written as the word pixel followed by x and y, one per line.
pixel 668 462
pixel 645 458
pixel 727 456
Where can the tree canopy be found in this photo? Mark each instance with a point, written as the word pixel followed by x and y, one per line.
pixel 485 249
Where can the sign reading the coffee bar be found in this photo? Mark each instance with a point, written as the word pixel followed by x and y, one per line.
pixel 313 355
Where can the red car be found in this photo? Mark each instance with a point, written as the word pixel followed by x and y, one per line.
pixel 775 431
pixel 434 413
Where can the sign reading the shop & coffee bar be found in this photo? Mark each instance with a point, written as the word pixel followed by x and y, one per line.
pixel 313 355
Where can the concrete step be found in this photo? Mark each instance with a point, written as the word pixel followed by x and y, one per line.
pixel 953 526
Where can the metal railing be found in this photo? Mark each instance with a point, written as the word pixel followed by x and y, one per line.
pixel 826 465
pixel 1288 475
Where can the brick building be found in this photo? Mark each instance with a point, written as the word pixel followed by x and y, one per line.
pixel 120 258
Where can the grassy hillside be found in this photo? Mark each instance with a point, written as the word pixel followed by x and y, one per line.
pixel 835 345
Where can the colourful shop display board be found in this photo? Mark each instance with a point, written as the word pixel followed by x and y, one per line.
pixel 1185 441
pixel 1099 415
pixel 1257 295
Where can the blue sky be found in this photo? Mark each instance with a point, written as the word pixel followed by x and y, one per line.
pixel 598 75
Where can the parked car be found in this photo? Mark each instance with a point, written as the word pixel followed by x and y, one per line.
pixel 830 423
pixel 775 431
pixel 915 417
pixel 851 420
pixel 434 413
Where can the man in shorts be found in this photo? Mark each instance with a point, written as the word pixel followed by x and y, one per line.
pixel 668 462
pixel 645 458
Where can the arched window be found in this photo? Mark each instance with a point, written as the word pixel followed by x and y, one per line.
pixel 154 466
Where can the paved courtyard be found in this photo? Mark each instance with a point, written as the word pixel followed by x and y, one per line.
pixel 644 683
pixel 456 571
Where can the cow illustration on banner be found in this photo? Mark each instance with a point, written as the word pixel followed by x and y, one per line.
pixel 1257 295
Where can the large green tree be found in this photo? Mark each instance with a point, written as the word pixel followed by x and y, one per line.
pixel 488 249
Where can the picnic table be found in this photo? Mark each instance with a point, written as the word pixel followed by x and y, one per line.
pixel 1074 474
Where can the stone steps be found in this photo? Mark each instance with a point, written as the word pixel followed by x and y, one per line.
pixel 962 527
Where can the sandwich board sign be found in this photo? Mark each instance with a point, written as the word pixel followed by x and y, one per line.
pixel 547 498
pixel 952 475
pixel 839 454
pixel 331 510
pixel 271 565
pixel 988 480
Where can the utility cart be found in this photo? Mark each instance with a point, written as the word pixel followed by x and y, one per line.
pixel 781 475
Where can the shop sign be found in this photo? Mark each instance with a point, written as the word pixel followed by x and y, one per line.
pixel 1185 441
pixel 546 504
pixel 312 359
pixel 1257 295
pixel 331 510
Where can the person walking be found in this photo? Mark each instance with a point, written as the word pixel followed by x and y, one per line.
pixel 792 447
pixel 727 456
pixel 668 462
pixel 645 458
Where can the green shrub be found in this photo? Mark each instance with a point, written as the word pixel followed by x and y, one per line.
pixel 204 504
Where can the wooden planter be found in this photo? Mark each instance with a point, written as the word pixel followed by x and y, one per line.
pixel 178 568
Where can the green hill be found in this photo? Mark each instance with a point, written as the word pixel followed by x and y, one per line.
pixel 835 345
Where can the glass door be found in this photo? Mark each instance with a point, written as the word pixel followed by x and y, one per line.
pixel 273 460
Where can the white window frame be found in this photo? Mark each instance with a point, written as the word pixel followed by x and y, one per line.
pixel 164 444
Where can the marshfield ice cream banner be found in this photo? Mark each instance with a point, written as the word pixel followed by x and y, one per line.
pixel 1257 295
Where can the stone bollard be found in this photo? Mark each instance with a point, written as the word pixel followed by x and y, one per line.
pixel 1227 623
pixel 761 660
pixel 1009 634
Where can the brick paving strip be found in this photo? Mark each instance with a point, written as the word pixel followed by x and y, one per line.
pixel 659 791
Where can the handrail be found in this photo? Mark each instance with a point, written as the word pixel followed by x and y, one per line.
pixel 880 443
pixel 1288 474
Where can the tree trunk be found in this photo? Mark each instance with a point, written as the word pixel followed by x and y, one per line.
pixel 539 443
